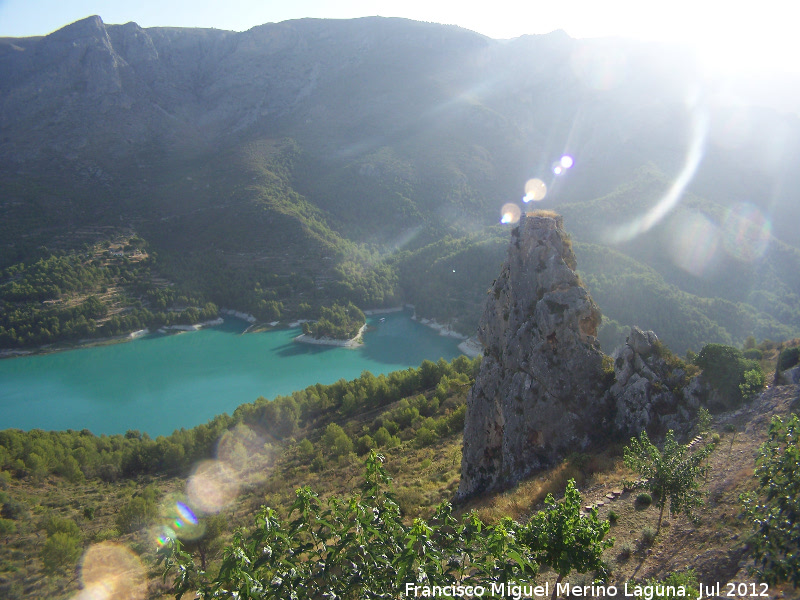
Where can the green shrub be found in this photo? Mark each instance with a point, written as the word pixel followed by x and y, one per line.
pixel 648 536
pixel 138 512
pixel 105 534
pixel 644 499
pixel 625 551
pixel 753 354
pixel 754 382
pixel 684 579
pixel 773 511
pixel 364 444
pixel 612 517
pixel 54 524
pixel 305 448
pixel 7 527
pixel 724 369
pixel 788 358
pixel 59 551
pixel 336 441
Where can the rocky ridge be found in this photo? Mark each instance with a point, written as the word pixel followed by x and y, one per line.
pixel 545 388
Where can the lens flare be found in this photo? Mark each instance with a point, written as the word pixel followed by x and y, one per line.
pixel 644 222
pixel 566 161
pixel 186 513
pixel 599 68
pixel 246 447
pixel 746 232
pixel 510 213
pixel 212 486
pixel 179 521
pixel 694 241
pixel 535 190
pixel 109 571
pixel 558 169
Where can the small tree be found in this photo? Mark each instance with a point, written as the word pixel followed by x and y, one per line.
pixel 775 511
pixel 336 441
pixel 564 540
pixel 209 543
pixel 670 475
pixel 60 550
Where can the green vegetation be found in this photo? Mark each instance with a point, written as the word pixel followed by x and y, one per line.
pixel 789 358
pixel 337 322
pixel 100 293
pixel 565 540
pixel 660 590
pixel 670 475
pixel 727 371
pixel 775 511
pixel 361 547
pixel 138 512
pixel 76 455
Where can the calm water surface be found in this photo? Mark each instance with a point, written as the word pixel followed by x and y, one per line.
pixel 162 383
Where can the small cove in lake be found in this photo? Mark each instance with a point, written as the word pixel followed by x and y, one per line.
pixel 160 383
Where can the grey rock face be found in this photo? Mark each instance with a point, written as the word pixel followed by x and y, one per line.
pixel 539 393
pixel 648 392
pixel 545 389
pixel 790 376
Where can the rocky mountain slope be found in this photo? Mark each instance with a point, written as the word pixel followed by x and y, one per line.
pixel 545 389
pixel 325 148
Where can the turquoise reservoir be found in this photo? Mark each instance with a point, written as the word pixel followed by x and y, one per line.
pixel 161 383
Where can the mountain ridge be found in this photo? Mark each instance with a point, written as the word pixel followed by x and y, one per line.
pixel 395 134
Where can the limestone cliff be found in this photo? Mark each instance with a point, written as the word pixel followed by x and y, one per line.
pixel 545 389
pixel 540 390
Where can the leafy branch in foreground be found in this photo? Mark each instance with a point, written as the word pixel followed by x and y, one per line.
pixel 565 540
pixel 360 547
pixel 775 511
pixel 671 474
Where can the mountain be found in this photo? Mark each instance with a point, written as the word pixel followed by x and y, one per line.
pixel 313 161
pixel 544 389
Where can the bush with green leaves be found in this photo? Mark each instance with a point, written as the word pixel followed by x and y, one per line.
pixel 335 441
pixel 788 358
pixel 684 584
pixel 775 511
pixel 725 370
pixel 564 540
pixel 648 535
pixel 63 545
pixel 360 547
pixel 7 527
pixel 61 550
pixel 138 512
pixel 671 474
pixel 753 354
pixel 753 383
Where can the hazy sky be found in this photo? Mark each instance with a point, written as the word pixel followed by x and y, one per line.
pixel 753 35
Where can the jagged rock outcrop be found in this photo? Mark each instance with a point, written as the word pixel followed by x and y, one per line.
pixel 545 389
pixel 540 390
pixel 789 376
pixel 650 391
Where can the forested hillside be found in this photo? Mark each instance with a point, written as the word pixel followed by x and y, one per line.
pixel 301 164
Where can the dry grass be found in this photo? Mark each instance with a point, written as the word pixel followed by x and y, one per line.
pixel 541 212
pixel 424 477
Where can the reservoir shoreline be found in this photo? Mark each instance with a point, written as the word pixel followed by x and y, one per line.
pixel 160 383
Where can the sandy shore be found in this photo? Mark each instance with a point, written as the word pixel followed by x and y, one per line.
pixel 238 314
pixel 353 342
pixel 442 329
pixel 471 347
pixel 195 327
